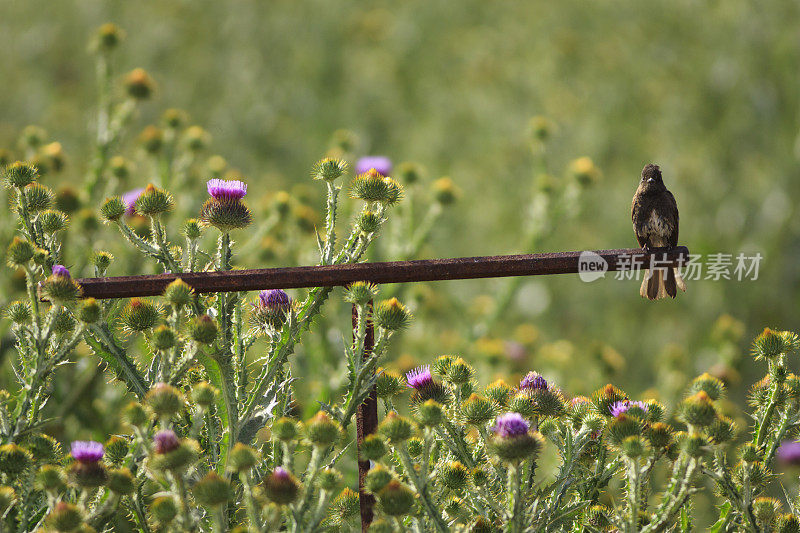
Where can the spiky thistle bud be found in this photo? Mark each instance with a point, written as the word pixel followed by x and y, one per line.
pixel 787 523
pixel 346 505
pixel 426 388
pixel 430 413
pixel 64 517
pixel 172 453
pixel 20 174
pixel 243 458
pixel 541 128
pixel 478 410
pixel 396 499
pixel 659 435
pixel 606 397
pixel 395 428
pixel 584 171
pixel 445 191
pixel 512 441
pixel 179 293
pixel 154 201
pixel 139 315
pixel 107 38
pixel 14 459
pixel 377 478
pixel 192 229
pixel 374 187
pixel 460 372
pixel 270 310
pixel 134 414
pixel 321 430
pixel 328 169
pixel 19 253
pixel 138 84
pixel 63 322
pixel 389 384
pixel 416 446
pixel 369 221
pixel 19 312
pixel 698 410
pixel 373 447
pixel 454 475
pixel 329 479
pixel 163 338
pixel 285 429
pixel 88 311
pixel 766 510
pixel 212 490
pixel 164 509
pixel 204 394
pixel 392 315
pixel 116 449
pixel 120 480
pixel 120 167
pixel 196 138
pixel 203 329
pixel 499 392
pixel 768 345
pixel 165 400
pixel 102 260
pixel 51 478
pixel 53 221
pixel 622 427
pixel 545 402
pixel 360 292
pixel 633 447
pixel 281 487
pixel 712 386
pixel 695 445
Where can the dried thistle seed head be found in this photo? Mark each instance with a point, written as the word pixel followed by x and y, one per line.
pixel 164 509
pixel 163 338
pixel 212 490
pixel 152 139
pixel 281 486
pixel 388 384
pixel 321 430
pixel 698 410
pixel 203 329
pixel 38 197
pixel 139 315
pixel 377 478
pixel 204 394
pixel 19 252
pixel 20 174
pixel 346 505
pixel 395 428
pixel 478 410
pixel 584 171
pixel 113 209
pixel 445 191
pixel 165 400
pixel 120 480
pixel 243 458
pixel 430 413
pixel 52 221
pixel 154 201
pixel 196 138
pixel 19 312
pixel 139 85
pixel 107 37
pixel 329 169
pixel 380 164
pixel 64 517
pixel 396 499
pixel 373 447
pixel 454 475
pixel 329 479
pixel 179 293
pixel 392 315
pixel 285 429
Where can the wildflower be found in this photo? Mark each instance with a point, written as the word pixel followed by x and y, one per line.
pixel 165 441
pixel 60 288
pixel 225 209
pixel 281 486
pixel 382 164
pixel 510 425
pixel 789 453
pixel 419 378
pixel 321 430
pixel 87 471
pixel 533 380
pixel 87 451
pixel 212 491
pixel 271 310
pixel 512 440
pixel 622 406
pixel 222 190
pixel 129 200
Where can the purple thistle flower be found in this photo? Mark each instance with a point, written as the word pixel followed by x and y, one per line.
pixel 510 425
pixel 419 378
pixel 226 190
pixel 535 381
pixel 60 271
pixel 380 163
pixel 86 451
pixel 129 199
pixel 622 406
pixel 280 473
pixel 789 452
pixel 274 300
pixel 165 441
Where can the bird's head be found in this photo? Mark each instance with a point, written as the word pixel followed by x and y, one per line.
pixel 651 179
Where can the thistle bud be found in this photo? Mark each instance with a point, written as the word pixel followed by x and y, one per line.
pixel 329 479
pixel 633 447
pixel 102 260
pixel 709 384
pixel 192 229
pixel 622 427
pixel 369 221
pixel 373 447
pixel 165 400
pixel 164 338
pixel 430 413
pixel 19 312
pixel 271 310
pixel 175 118
pixel 523 404
pixel 698 410
pixel 766 511
pixel 787 523
pixel 281 487
pixel 64 517
pixel 154 201
pixel 152 139
pixel 345 505
pixel 607 397
pixel 389 384
pixel 38 197
pixel 392 315
pixel 203 329
pixel 164 509
pixel 659 435
pixel 409 173
pixel 63 323
pixel 67 200
pixel 87 470
pixel 53 221
pixel 243 458
pixel 360 292
pixel 285 429
pixel 172 453
pixel 40 257
pixel 134 414
pixel 498 392
pixel 396 499
pixel 374 187
pixel 445 191
pixel 116 449
pixel 204 394
pixel 329 169
pixel 179 293
pixel 13 459
pixel 120 167
pixel 107 38
pixel 584 171
pixel 454 475
pixel 60 288
pixel 321 430
pixel 51 478
pixel 139 85
pixel 88 311
pixel 416 446
pixel 377 478
pixel 541 128
pixel 512 440
pixel 20 174
pixel 695 445
pixel 460 372
pixel 478 410
pixel 212 490
pixel 20 252
pixel 139 315
pixel 120 481
pixel 395 428
pixel 196 138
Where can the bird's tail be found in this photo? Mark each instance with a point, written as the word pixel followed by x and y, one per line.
pixel 659 283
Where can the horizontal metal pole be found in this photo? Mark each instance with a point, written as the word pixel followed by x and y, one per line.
pixel 389 272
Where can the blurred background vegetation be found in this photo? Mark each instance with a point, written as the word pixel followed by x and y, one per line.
pixel 707 90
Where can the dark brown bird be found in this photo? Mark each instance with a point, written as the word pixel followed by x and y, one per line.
pixel 655 221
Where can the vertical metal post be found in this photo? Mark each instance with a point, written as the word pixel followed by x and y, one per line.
pixel 366 424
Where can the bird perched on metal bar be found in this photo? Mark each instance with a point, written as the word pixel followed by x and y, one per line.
pixel 655 221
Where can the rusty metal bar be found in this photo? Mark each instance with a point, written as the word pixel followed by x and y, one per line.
pixel 389 272
pixel 366 424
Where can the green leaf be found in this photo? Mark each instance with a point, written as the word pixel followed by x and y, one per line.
pixel 720 524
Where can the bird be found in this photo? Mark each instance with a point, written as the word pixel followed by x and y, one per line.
pixel 654 213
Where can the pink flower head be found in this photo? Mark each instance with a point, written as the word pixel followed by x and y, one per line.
pixel 622 406
pixel 86 451
pixel 380 163
pixel 419 378
pixel 274 300
pixel 60 271
pixel 129 199
pixel 226 190
pixel 165 441
pixel 280 473
pixel 535 381
pixel 510 425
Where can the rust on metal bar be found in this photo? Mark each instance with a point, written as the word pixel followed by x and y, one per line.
pixel 381 273
pixel 366 424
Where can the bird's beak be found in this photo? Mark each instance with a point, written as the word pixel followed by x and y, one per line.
pixel 650 180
